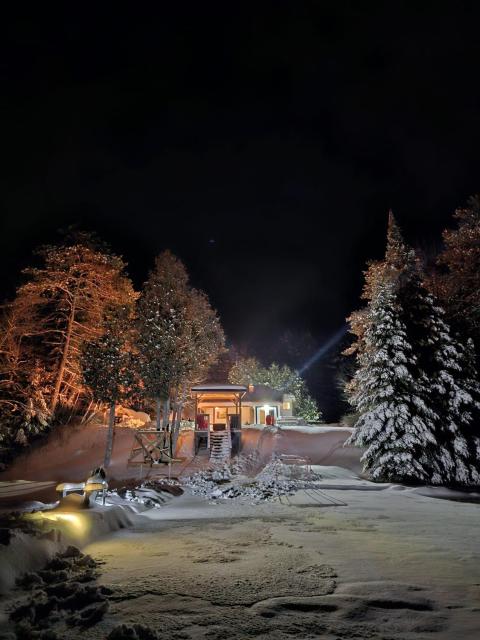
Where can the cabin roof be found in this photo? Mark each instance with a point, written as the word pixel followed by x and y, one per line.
pixel 262 393
pixel 212 388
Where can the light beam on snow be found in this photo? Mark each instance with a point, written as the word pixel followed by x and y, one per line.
pixel 75 524
pixel 324 349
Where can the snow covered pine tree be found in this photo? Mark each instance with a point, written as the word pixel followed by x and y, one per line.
pixel 108 367
pixel 453 391
pixel 439 391
pixel 395 424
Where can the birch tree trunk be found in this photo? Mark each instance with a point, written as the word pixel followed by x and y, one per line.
pixel 178 416
pixel 63 361
pixel 166 412
pixel 158 405
pixel 109 447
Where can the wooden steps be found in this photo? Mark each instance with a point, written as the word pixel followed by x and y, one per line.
pixel 220 446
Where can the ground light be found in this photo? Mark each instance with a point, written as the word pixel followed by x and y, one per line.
pixel 74 525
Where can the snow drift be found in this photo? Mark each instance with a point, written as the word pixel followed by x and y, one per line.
pixel 51 532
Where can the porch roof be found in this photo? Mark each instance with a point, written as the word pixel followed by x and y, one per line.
pixel 219 388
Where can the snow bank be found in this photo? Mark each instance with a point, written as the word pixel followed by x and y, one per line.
pixel 445 494
pixel 126 418
pixel 50 532
pixel 300 428
pixel 323 444
pixel 310 430
pixel 48 529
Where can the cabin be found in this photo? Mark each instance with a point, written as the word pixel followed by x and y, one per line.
pixel 221 410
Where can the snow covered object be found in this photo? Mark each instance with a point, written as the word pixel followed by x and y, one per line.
pixel 454 393
pixel 280 377
pixel 395 424
pixel 179 335
pixel 452 380
pixel 161 325
pixel 108 366
pixel 411 369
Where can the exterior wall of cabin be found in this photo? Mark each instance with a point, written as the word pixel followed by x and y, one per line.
pixel 252 413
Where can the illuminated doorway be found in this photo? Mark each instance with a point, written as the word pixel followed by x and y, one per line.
pixel 262 412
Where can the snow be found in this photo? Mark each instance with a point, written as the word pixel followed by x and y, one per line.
pixel 48 528
pixel 376 561
pixel 301 428
pixel 324 428
pixel 232 482
pixel 342 558
pixel 69 453
pixel 277 553
pixel 28 551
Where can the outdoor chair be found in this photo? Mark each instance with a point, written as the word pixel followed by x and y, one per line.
pixel 90 489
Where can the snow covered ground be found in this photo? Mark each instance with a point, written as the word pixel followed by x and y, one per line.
pixel 342 558
pixel 355 561
pixel 274 553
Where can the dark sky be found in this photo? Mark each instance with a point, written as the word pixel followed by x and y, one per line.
pixel 262 143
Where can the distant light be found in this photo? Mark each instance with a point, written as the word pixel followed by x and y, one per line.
pixel 325 348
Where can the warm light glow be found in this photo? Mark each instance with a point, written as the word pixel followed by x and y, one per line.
pixel 287 406
pixel 76 524
pixel 73 519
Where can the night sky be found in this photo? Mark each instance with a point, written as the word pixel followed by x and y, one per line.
pixel 262 143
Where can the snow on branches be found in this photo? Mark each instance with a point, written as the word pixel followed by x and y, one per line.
pixel 415 388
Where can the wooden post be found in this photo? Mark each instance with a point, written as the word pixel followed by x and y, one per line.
pixel 195 437
pixel 109 445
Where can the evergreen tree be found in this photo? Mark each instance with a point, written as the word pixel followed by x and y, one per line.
pixel 108 366
pixel 457 283
pixel 204 342
pixel 24 382
pixel 179 335
pixel 246 371
pixel 306 407
pixel 282 378
pixel 162 328
pixel 441 361
pixel 395 424
pixel 454 394
pixel 447 402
